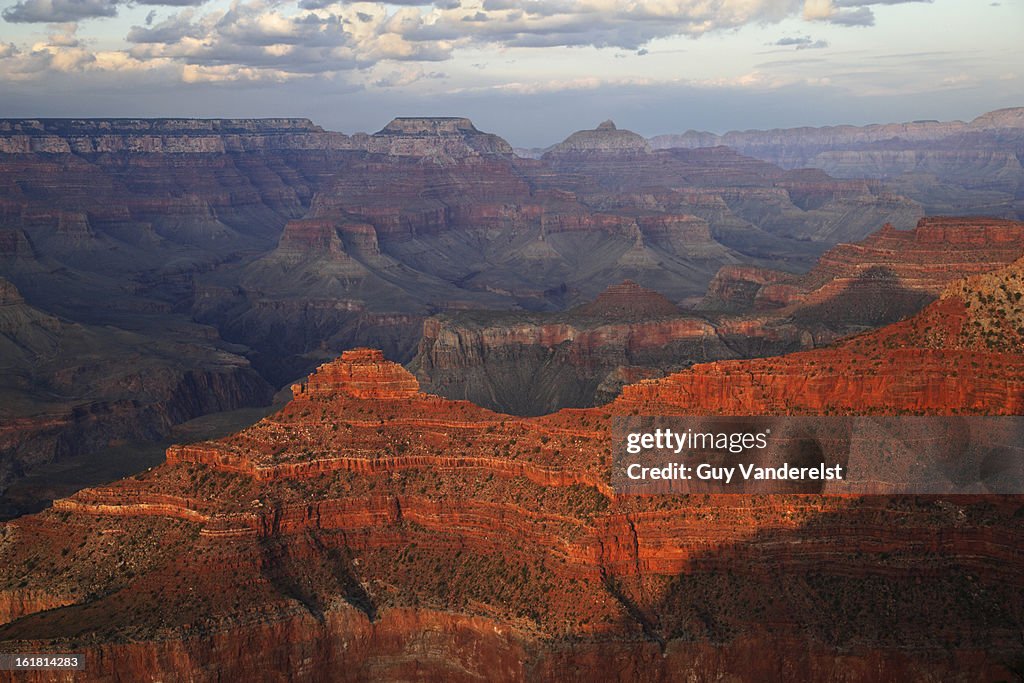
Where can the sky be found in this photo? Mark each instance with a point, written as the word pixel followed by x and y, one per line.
pixel 531 71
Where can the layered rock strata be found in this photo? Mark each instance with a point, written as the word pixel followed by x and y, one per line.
pixel 376 531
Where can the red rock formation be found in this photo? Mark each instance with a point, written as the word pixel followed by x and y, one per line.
pixel 963 353
pixel 373 531
pixel 531 364
pixel 360 373
pixel 677 232
pixel 311 235
pixel 743 287
pixel 257 227
pixel 926 259
pixel 369 519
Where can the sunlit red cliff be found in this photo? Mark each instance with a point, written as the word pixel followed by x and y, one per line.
pixel 387 533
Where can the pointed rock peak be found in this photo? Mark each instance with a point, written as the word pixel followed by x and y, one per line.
pixel 359 373
pixel 607 125
pixel 629 300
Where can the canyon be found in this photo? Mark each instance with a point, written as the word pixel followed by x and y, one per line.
pixel 453 518
pixel 535 363
pixel 260 248
pixel 369 530
pixel 62 396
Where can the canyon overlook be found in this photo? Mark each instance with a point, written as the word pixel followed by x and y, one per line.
pixel 379 531
pixel 452 328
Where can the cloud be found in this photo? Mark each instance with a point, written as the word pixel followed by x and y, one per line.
pixel 171 30
pixel 860 16
pixel 403 75
pixel 59 11
pixel 801 43
pixel 848 12
pixel 171 3
pixel 263 35
pixel 619 24
pixel 863 3
pixel 598 23
pixel 297 38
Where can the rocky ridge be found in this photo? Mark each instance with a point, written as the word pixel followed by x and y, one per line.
pixel 1010 119
pixel 938 251
pixel 437 137
pixel 963 354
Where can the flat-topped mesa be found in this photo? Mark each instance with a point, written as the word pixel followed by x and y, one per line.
pixel 166 136
pixel 629 300
pixel 359 373
pixel 452 137
pixel 156 126
pixel 433 125
pixel 605 139
pixel 311 235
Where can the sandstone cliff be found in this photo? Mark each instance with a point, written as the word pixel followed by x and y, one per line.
pixel 534 364
pixel 898 268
